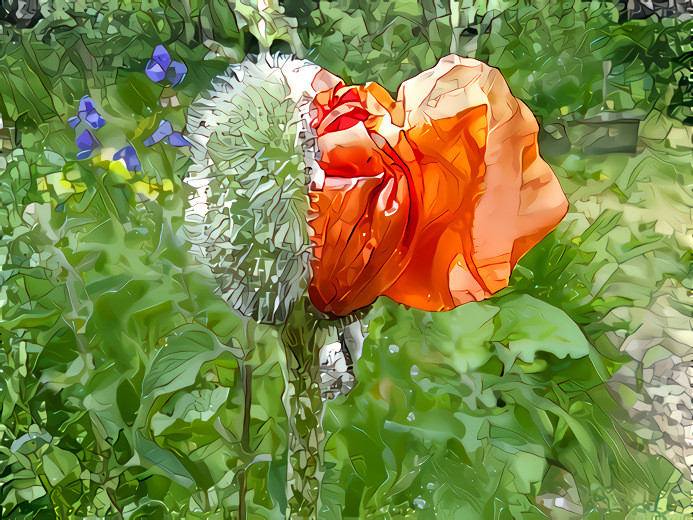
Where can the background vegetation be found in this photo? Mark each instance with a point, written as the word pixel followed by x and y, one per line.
pixel 124 378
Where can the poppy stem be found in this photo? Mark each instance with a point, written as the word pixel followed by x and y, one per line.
pixel 302 338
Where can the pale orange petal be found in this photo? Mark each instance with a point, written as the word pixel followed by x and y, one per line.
pixel 523 200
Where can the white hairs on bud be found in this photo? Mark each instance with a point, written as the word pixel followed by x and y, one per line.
pixel 254 153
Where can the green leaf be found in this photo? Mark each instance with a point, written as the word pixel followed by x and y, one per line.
pixel 163 461
pixel 60 465
pixel 128 401
pixel 178 362
pixel 528 325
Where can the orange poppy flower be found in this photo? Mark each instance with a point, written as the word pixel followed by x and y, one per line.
pixel 430 199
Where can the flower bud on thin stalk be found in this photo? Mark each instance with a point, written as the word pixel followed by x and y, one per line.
pixel 307 186
pixel 247 223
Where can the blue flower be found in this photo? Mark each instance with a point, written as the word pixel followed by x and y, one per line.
pixel 128 156
pixel 165 132
pixel 87 112
pixel 161 67
pixel 177 139
pixel 86 143
pixel 161 56
pixel 87 117
pixel 176 72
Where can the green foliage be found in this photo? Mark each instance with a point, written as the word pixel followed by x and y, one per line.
pixel 478 407
pixel 653 62
pixel 553 53
pixel 391 43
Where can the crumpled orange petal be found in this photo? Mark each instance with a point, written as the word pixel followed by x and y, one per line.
pixel 430 199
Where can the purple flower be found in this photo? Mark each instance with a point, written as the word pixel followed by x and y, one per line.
pixel 155 71
pixel 128 156
pixel 176 72
pixel 165 129
pixel 161 67
pixel 161 56
pixel 86 143
pixel 94 120
pixel 87 112
pixel 177 139
pixel 165 132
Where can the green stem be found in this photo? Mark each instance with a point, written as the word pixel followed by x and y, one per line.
pixel 246 375
pixel 455 18
pixel 302 340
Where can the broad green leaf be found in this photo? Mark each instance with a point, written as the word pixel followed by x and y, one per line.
pixel 178 362
pixel 528 325
pixel 162 461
